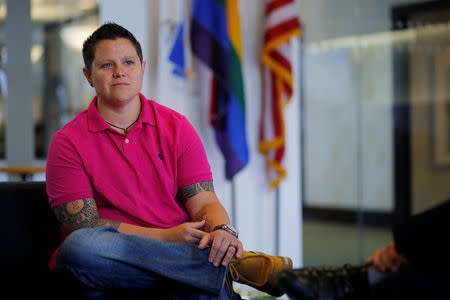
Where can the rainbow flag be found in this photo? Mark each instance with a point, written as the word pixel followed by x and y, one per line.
pixel 216 41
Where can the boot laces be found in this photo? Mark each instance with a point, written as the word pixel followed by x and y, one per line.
pixel 233 272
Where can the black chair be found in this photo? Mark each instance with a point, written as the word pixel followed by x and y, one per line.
pixel 30 234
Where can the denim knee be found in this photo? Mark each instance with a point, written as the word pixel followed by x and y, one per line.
pixel 82 247
pixel 104 258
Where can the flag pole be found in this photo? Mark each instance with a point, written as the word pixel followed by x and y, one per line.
pixel 277 221
pixel 233 204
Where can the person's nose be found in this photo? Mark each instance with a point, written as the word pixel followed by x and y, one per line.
pixel 118 72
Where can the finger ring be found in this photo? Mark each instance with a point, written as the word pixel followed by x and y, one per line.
pixel 233 245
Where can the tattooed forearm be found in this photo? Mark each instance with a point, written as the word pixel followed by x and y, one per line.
pixel 202 215
pixel 81 213
pixel 191 190
pixel 107 222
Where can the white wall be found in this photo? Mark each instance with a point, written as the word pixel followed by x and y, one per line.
pixel 255 205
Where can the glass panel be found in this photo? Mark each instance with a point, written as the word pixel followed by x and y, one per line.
pixel 348 129
pixel 428 62
pixel 60 90
pixel 376 95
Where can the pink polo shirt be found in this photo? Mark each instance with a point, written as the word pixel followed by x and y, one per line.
pixel 133 178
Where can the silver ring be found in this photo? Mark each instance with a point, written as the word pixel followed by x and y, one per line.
pixel 233 245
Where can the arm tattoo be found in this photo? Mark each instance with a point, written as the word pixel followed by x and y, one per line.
pixel 81 213
pixel 191 190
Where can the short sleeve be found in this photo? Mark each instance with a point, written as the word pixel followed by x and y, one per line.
pixel 192 163
pixel 66 179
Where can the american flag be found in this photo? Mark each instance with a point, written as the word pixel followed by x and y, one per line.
pixel 281 25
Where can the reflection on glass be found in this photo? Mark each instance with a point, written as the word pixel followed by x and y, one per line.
pixel 60 90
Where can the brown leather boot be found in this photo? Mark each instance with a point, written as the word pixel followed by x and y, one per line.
pixel 259 270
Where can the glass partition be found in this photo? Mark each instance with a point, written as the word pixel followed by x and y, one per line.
pixel 60 90
pixel 376 121
pixel 58 87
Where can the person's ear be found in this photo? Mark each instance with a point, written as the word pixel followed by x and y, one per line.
pixel 144 63
pixel 88 76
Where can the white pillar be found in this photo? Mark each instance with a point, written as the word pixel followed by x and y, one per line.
pixel 19 101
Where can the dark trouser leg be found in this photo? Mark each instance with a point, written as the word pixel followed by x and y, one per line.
pixel 413 284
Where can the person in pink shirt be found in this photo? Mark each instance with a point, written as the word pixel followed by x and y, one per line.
pixel 130 183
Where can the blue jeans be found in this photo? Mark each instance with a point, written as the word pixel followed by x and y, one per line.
pixel 103 258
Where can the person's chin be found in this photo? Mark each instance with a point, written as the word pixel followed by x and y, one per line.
pixel 125 96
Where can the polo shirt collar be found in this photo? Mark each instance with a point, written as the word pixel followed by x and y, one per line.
pixel 147 114
pixel 96 122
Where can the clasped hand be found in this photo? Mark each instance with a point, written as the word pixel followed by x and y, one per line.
pixel 224 246
pixel 386 259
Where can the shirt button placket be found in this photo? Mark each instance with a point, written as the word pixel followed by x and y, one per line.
pixel 126 142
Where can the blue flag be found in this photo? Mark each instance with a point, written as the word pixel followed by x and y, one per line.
pixel 177 54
